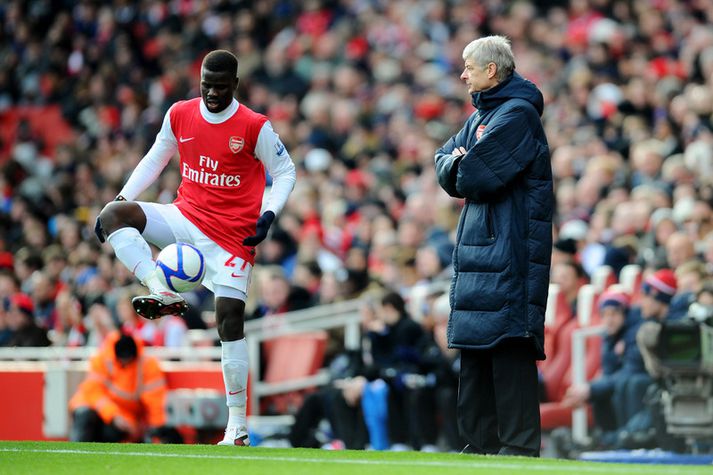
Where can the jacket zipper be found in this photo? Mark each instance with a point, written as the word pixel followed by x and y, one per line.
pixel 490 226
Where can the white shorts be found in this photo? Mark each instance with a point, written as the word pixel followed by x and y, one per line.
pixel 226 275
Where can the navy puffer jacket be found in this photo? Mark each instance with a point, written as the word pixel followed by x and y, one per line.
pixel 504 237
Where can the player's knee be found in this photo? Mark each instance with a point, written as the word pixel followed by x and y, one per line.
pixel 231 329
pixel 121 214
pixel 230 317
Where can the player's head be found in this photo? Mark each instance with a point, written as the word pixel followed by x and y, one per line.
pixel 219 79
pixel 488 61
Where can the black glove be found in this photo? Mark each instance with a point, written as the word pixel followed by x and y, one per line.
pixel 263 224
pixel 98 230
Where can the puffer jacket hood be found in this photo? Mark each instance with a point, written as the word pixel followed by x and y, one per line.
pixel 514 87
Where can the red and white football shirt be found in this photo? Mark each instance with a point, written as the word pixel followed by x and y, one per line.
pixel 223 158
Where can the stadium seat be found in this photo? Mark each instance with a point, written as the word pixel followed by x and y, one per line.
pixel 603 277
pixel 558 364
pixel 557 375
pixel 561 314
pixel 586 304
pixel 552 293
pixel 291 357
pixel 630 279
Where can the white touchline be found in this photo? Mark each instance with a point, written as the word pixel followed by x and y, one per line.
pixel 543 467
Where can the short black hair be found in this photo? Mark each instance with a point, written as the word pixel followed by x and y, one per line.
pixel 394 300
pixel 125 347
pixel 221 60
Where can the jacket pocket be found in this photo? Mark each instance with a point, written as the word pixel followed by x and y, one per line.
pixel 477 225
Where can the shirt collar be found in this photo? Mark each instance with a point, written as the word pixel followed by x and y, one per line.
pixel 219 117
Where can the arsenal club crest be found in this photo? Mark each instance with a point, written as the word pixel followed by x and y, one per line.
pixel 236 144
pixel 479 131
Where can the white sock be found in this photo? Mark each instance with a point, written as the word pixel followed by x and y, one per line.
pixel 234 361
pixel 133 251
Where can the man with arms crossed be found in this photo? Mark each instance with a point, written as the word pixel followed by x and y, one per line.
pixel 499 162
pixel 224 150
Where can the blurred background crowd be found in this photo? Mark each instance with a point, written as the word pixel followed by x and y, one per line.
pixel 362 92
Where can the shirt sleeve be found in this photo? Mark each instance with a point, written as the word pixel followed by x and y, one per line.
pixel 272 153
pixel 153 163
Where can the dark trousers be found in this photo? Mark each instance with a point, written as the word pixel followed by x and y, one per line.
pixel 87 426
pixel 413 416
pixel 498 407
pixel 347 422
pixel 613 411
pixel 446 400
pixel 423 428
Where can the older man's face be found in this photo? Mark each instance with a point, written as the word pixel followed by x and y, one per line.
pixel 478 78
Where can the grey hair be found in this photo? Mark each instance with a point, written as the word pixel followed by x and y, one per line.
pixel 492 49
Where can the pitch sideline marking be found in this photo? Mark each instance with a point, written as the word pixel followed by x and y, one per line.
pixel 469 464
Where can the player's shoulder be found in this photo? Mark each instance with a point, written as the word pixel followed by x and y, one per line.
pixel 248 113
pixel 188 105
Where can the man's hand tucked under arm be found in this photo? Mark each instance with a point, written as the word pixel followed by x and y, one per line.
pixel 459 151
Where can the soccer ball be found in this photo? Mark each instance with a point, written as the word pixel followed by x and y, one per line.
pixel 180 267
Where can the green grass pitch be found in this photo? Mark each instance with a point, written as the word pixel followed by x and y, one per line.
pixel 60 458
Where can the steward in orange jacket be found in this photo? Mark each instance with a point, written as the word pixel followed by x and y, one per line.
pixel 123 394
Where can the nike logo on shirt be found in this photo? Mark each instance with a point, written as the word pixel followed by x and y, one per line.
pixel 188 139
pixel 233 393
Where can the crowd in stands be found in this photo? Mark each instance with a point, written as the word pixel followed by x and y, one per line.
pixel 362 93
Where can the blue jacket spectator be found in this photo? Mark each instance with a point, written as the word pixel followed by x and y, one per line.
pixel 617 395
pixel 621 357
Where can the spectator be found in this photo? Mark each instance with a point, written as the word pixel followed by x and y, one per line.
pixel 308 275
pixel 5 330
pixel 21 322
pixel 570 277
pixel 679 249
pixel 652 252
pixel 385 377
pixel 616 396
pixel 44 292
pixel 277 295
pixel 123 393
pixel 658 291
pixel 171 332
pixel 689 277
pixel 69 328
pixel 395 342
pixel 99 324
pixel 131 323
pixel 440 366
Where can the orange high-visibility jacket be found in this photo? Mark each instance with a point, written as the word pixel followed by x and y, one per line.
pixel 136 392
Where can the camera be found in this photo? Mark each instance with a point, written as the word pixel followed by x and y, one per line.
pixel 685 349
